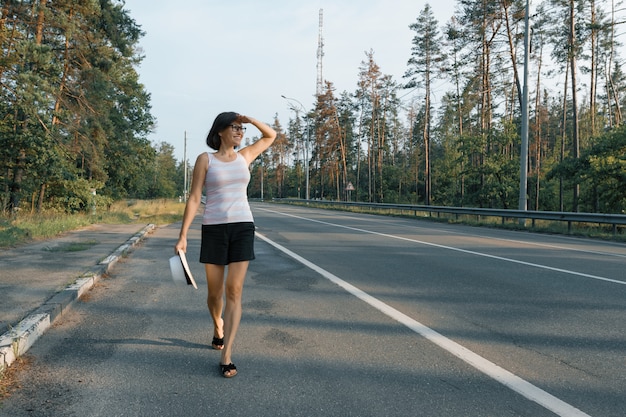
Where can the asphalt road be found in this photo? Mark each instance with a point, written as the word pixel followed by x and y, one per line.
pixel 349 315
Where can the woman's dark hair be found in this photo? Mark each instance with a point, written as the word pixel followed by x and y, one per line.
pixel 221 122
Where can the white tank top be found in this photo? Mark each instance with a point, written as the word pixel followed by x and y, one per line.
pixel 225 187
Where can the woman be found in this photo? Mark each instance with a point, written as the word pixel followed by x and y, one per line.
pixel 227 224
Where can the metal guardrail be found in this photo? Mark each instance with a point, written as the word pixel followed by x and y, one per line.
pixel 612 219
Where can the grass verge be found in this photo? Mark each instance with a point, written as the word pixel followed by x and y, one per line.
pixel 24 228
pixel 588 230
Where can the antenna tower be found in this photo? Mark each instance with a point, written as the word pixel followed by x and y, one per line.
pixel 320 54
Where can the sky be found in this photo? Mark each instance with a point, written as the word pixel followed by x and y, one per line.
pixel 203 57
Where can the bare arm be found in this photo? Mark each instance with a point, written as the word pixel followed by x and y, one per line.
pixel 193 203
pixel 251 152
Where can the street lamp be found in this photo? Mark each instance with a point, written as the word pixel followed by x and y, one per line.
pixel 308 138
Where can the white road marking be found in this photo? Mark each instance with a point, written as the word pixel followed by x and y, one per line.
pixel 544 245
pixel 527 242
pixel 486 255
pixel 485 366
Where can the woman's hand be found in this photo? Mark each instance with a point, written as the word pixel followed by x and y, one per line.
pixel 243 119
pixel 181 245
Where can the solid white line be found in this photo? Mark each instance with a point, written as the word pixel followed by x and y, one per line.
pixel 486 255
pixel 524 242
pixel 489 368
pixel 546 245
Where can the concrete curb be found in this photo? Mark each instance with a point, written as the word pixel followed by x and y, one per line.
pixel 19 339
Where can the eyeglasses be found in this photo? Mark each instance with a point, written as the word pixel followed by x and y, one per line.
pixel 237 128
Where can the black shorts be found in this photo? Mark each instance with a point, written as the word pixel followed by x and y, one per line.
pixel 222 244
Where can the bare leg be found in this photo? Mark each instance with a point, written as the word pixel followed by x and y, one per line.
pixel 232 312
pixel 215 296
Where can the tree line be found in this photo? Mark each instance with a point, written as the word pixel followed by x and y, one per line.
pixel 466 151
pixel 74 116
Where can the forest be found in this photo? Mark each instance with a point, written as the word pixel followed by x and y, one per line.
pixel 75 116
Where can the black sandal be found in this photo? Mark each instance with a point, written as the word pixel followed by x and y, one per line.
pixel 217 343
pixel 228 371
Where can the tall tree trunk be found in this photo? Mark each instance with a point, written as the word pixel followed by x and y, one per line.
pixel 16 184
pixel 538 134
pixel 381 149
pixel 575 133
pixel 413 153
pixel 459 109
pixel 342 149
pixel 38 40
pixel 358 156
pixel 40 20
pixel 370 161
pixel 563 137
pixel 426 133
pixel 42 195
pixel 593 75
pixel 486 111
pixel 538 121
pixel 509 33
pixel 612 92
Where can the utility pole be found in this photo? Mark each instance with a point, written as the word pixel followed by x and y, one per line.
pixel 185 186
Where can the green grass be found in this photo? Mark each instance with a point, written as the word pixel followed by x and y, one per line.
pixel 24 228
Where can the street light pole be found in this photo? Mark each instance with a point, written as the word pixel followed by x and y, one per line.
pixel 308 138
pixel 185 186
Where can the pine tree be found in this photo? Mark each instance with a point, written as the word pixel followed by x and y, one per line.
pixel 426 56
